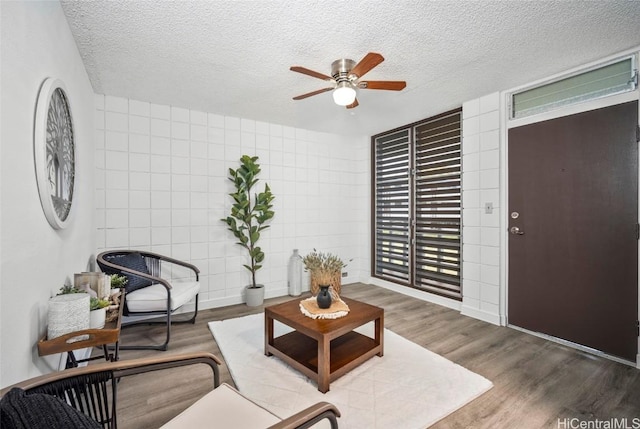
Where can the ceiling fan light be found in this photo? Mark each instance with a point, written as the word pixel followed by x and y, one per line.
pixel 344 94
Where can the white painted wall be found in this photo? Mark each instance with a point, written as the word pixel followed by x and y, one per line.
pixel 161 185
pixel 37 260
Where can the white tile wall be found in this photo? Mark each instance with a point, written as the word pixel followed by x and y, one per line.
pixel 481 230
pixel 161 175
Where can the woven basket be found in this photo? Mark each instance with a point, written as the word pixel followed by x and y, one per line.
pixel 336 282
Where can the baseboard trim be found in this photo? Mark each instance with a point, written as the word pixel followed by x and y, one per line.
pixel 577 346
pixel 232 300
pixel 494 319
pixel 415 293
pixel 220 302
pixel 276 293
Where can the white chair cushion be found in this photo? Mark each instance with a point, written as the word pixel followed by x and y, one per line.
pixel 223 407
pixel 154 297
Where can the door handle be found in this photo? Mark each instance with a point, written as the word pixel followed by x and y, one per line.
pixel 516 231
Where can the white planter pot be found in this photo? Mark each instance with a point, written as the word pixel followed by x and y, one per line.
pixel 97 318
pixel 68 313
pixel 254 297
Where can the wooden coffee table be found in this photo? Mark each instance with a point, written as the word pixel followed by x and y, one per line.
pixel 323 349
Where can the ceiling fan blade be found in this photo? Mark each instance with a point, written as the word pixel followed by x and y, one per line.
pixel 367 63
pixel 311 73
pixel 309 94
pixel 354 104
pixel 390 85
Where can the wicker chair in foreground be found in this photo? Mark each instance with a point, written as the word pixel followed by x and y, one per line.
pixel 86 398
pixel 148 293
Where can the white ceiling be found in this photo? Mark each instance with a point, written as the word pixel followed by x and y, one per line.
pixel 233 57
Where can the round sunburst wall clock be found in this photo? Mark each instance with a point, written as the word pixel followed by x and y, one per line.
pixel 54 152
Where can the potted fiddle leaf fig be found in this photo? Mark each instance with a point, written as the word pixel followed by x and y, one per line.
pixel 249 217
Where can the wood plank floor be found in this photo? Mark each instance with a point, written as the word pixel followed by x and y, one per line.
pixel 536 382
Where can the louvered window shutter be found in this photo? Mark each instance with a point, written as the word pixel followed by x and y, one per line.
pixel 417 207
pixel 392 195
pixel 437 205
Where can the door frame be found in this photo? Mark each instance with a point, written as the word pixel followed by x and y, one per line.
pixel 505 126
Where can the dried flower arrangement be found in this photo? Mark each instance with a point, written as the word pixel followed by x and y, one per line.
pixel 325 268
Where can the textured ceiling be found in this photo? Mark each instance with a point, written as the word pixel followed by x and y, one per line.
pixel 233 57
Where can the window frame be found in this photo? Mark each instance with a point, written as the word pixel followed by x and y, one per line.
pixel 633 79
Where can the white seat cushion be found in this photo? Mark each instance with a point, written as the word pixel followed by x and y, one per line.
pixel 223 407
pixel 154 297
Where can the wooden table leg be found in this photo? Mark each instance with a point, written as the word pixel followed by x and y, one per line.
pixel 380 334
pixel 324 364
pixel 268 333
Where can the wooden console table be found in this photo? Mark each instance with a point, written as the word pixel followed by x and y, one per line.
pixel 110 334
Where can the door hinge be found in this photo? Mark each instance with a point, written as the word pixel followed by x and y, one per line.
pixel 637 133
pixel 637 231
pixel 638 328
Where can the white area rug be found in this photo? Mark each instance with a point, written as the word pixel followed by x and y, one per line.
pixel 408 388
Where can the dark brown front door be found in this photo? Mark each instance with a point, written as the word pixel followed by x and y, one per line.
pixel 573 257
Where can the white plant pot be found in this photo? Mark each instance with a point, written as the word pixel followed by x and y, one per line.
pixel 254 297
pixel 97 318
pixel 68 313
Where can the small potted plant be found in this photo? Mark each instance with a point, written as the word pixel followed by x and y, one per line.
pixel 98 312
pixel 117 281
pixel 67 289
pixel 248 218
pixel 68 312
pixel 97 307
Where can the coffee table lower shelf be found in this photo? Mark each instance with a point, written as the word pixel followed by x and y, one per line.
pixel 347 352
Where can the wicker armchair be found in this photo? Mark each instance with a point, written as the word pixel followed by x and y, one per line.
pixel 149 292
pixel 92 390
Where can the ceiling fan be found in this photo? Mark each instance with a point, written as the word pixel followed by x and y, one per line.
pixel 345 79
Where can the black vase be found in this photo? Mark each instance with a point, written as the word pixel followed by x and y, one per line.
pixel 324 297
